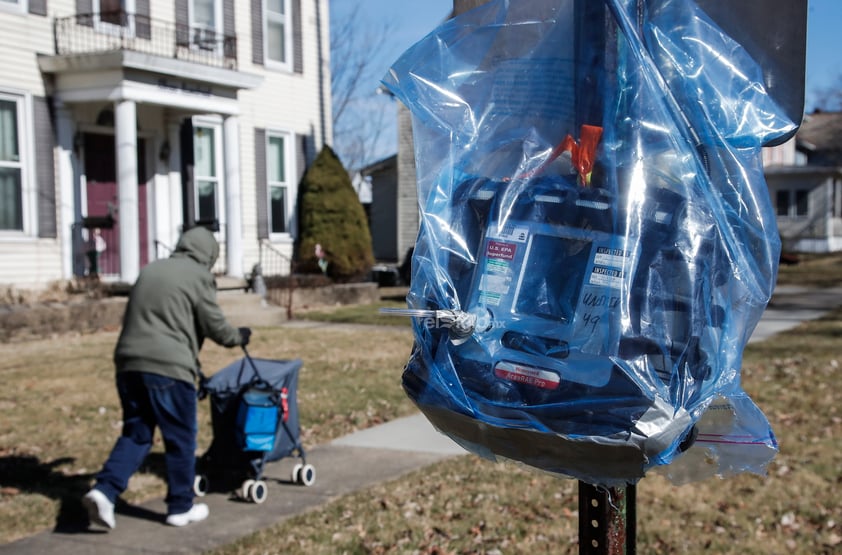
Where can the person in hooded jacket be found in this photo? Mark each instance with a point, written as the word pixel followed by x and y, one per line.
pixel 172 309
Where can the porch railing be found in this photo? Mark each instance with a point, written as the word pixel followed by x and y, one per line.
pixel 273 267
pixel 103 32
pixel 162 250
pixel 105 263
pixel 92 258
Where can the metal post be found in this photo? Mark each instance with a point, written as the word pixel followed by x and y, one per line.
pixel 607 520
pixel 606 516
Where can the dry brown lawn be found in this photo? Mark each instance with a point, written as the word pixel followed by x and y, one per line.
pixel 60 416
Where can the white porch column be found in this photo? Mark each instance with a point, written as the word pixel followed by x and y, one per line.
pixel 233 197
pixel 127 190
pixel 176 218
pixel 69 207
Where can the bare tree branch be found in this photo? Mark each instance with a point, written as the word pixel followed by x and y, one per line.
pixel 829 98
pixel 359 119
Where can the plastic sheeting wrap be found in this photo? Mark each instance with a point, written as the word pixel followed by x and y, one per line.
pixel 597 241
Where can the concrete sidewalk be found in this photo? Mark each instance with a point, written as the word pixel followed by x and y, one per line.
pixel 346 465
pixel 791 305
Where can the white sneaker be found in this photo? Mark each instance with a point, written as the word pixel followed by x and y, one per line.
pixel 100 509
pixel 196 513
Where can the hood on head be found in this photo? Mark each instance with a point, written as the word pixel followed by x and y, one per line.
pixel 199 244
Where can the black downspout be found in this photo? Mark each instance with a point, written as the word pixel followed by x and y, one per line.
pixel 322 123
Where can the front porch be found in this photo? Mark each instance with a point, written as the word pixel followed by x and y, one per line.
pixel 139 104
pixel 808 204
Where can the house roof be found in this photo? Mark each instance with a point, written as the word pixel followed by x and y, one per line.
pixel 390 162
pixel 821 134
pixel 802 171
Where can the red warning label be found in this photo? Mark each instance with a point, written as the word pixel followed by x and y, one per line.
pixel 499 249
pixel 543 379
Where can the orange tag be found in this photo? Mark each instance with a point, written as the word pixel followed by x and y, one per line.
pixel 584 153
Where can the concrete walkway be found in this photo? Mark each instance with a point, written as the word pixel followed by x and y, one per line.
pixel 792 305
pixel 346 465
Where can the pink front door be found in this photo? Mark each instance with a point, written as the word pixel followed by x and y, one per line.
pixel 101 173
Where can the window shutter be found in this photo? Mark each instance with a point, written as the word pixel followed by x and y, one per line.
pixel 38 7
pixel 303 154
pixel 141 19
pixel 297 39
pixel 229 32
pixel 261 185
pixel 301 151
pixel 182 23
pixel 257 31
pixel 187 164
pixel 44 168
pixel 229 27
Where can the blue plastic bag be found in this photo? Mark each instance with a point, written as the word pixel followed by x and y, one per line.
pixel 597 241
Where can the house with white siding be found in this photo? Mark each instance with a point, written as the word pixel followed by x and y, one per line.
pixel 133 120
pixel 805 183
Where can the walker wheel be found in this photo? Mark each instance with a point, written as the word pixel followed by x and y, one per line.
pixel 259 492
pixel 245 490
pixel 307 475
pixel 200 485
pixel 296 473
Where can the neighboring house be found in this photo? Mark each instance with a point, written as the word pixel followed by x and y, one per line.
pixel 142 118
pixel 387 190
pixel 362 186
pixel 804 177
pixel 382 208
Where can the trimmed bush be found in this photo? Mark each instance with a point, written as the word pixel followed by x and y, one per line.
pixel 330 215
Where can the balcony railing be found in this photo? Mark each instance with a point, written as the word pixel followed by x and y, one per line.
pixel 103 32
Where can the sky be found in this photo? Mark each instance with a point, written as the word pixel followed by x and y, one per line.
pixel 408 20
pixel 411 20
pixel 824 42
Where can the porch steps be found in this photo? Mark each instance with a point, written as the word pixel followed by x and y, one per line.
pixel 226 283
pixel 248 309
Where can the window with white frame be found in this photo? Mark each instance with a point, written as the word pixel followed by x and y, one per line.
pixel 278 170
pixel 206 23
pixel 206 172
pixel 12 169
pixel 14 5
pixel 277 30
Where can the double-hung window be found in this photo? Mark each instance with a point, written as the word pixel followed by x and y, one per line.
pixel 278 182
pixel 206 23
pixel 793 203
pixel 277 30
pixel 12 169
pixel 206 172
pixel 14 5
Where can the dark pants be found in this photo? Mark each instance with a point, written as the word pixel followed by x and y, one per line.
pixel 148 401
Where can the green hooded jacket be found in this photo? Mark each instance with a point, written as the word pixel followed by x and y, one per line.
pixel 172 309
